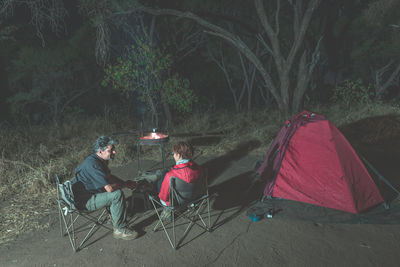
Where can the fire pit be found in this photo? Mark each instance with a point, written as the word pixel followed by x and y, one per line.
pixel 152 139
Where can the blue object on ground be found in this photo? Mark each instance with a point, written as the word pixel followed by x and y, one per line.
pixel 255 217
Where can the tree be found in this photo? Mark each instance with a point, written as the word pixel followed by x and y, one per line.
pixel 47 81
pixel 43 13
pixel 293 66
pixel 283 27
pixel 147 71
pixel 239 76
pixel 376 42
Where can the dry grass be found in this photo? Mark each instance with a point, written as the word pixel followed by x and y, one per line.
pixel 340 114
pixel 30 158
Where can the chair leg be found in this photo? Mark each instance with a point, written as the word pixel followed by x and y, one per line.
pixel 89 234
pixel 163 226
pixel 186 231
pixel 191 216
pixel 197 214
pixel 173 229
pixel 69 229
pixel 60 215
pixel 72 220
pixel 209 214
pixel 69 223
pixel 159 217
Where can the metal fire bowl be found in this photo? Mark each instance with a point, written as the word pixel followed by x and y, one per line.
pixel 143 141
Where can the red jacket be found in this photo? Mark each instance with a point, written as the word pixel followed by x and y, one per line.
pixel 189 172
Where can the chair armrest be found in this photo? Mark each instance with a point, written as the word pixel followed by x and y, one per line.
pixel 154 199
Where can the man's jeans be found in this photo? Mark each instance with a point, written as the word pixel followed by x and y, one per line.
pixel 115 200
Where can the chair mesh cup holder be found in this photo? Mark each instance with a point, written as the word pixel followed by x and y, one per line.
pixel 74 221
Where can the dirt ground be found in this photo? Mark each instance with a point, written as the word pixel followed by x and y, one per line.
pixel 299 235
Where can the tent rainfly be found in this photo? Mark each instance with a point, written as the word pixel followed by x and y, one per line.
pixel 311 161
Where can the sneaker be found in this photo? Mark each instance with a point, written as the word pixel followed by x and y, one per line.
pixel 166 215
pixel 108 219
pixel 125 234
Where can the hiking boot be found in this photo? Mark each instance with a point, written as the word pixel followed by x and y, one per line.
pixel 125 234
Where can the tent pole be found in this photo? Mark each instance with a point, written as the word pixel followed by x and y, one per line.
pixel 380 175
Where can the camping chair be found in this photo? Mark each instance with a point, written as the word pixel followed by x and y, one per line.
pixel 69 214
pixel 187 201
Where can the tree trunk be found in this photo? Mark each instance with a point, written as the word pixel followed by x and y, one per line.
pixel 284 65
pixel 167 110
pixel 153 110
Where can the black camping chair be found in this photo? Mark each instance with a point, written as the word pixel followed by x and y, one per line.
pixel 69 215
pixel 187 201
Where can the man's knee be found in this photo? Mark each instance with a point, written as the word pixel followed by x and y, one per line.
pixel 117 194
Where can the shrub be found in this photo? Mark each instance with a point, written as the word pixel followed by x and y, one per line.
pixel 353 92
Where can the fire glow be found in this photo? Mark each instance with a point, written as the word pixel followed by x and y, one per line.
pixel 154 136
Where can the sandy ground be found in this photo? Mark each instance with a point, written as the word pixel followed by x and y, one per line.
pixel 236 240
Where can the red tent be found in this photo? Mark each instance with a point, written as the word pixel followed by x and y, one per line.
pixel 311 161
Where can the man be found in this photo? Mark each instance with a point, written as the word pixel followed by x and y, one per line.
pixel 95 187
pixel 185 169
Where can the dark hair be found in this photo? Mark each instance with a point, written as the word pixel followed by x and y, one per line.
pixel 102 143
pixel 184 149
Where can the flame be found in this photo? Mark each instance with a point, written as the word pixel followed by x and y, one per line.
pixel 154 136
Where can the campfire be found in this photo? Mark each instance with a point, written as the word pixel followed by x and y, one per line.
pixel 153 138
pixel 154 135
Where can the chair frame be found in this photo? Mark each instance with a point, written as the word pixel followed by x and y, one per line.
pixel 190 210
pixel 69 214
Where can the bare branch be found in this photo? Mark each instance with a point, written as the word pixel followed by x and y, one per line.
pixel 379 73
pixel 283 65
pixel 304 74
pixel 143 27
pixel 186 41
pixel 7 7
pixel 305 21
pixel 261 39
pixel 380 89
pixel 102 41
pixel 43 12
pixel 221 64
pixel 272 35
pixel 278 8
pixel 315 57
pixel 296 19
pixel 152 27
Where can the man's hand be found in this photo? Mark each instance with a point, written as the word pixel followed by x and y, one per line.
pixel 112 187
pixel 130 184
